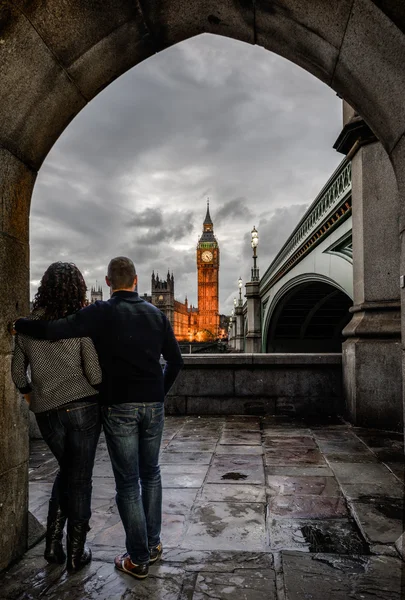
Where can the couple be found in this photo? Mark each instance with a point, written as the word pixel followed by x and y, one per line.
pixel 100 366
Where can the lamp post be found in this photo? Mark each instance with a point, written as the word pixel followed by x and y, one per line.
pixel 239 338
pixel 240 285
pixel 254 243
pixel 254 334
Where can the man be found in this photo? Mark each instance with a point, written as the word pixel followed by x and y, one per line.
pixel 129 335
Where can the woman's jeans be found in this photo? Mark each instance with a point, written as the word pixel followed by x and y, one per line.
pixel 72 433
pixel 133 433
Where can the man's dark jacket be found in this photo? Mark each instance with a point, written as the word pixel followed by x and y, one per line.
pixel 130 335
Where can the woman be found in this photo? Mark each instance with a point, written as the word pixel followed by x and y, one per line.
pixel 62 393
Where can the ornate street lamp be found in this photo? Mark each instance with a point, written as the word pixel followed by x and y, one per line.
pixel 254 243
pixel 234 302
pixel 240 285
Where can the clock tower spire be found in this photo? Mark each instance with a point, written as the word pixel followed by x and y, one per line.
pixel 208 280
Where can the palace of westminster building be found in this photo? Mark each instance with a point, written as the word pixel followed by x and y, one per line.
pixel 189 323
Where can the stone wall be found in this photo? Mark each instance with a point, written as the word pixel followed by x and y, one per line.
pixel 258 384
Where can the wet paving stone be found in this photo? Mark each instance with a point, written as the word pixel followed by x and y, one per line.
pixel 363 473
pixel 307 507
pixel 218 560
pixel 302 486
pixel 290 442
pixel 222 520
pixel 338 536
pixel 352 458
pixel 352 447
pixel 285 432
pixel 380 439
pixel 390 455
pixel 244 450
pixel 326 576
pixel 183 458
pixel 397 469
pixel 355 491
pixel 251 585
pixel 242 425
pixel 232 492
pixel 380 519
pixel 238 469
pixel 244 438
pixel 179 476
pixel 178 500
pixel 290 457
pixel 178 445
pixel 227 526
pixel 301 471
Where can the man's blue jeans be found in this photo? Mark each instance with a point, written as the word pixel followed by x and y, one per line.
pixel 72 433
pixel 133 433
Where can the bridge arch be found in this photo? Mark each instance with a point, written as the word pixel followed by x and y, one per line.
pixel 56 56
pixel 307 314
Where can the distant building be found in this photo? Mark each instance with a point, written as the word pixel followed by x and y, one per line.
pixel 96 293
pixel 190 323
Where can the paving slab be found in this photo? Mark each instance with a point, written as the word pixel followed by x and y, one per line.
pixel 276 432
pixel 390 455
pixel 355 491
pixel 232 492
pixel 227 526
pixel 242 424
pixel 244 450
pixel 397 469
pixel 245 585
pixel 238 469
pixel 218 560
pixel 179 445
pixel 352 447
pixel 307 507
pixel 301 471
pixel 218 542
pixel 184 458
pixel 178 500
pixel 289 457
pixel 302 441
pixel 327 576
pixel 380 519
pixel 359 458
pixel 279 485
pixel 339 536
pixel 187 476
pixel 363 473
pixel 244 438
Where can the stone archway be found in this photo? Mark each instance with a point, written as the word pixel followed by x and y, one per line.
pixel 55 57
pixel 309 317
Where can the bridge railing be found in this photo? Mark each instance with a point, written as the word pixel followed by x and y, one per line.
pixel 331 205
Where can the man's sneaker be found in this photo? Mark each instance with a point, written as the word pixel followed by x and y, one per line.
pixel 155 553
pixel 124 563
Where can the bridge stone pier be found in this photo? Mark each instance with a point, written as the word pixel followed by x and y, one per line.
pixel 372 368
pixel 55 56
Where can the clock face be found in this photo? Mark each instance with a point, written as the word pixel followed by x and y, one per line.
pixel 207 256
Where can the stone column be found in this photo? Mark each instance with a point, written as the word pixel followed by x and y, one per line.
pixel 15 194
pixel 254 332
pixel 372 352
pixel 239 342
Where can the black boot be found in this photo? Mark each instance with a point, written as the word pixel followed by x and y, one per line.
pixel 54 552
pixel 78 554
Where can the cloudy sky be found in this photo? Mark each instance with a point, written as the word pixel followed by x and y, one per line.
pixel 209 117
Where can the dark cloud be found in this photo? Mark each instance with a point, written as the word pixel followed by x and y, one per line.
pixel 208 117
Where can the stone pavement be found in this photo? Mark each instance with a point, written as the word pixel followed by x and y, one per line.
pixel 254 508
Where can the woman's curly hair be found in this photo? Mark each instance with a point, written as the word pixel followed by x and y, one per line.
pixel 62 291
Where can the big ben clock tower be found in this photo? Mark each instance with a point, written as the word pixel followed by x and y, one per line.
pixel 208 270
